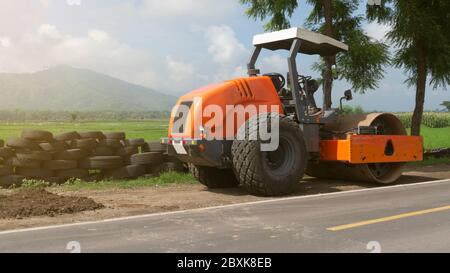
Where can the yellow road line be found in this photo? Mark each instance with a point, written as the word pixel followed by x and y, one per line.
pixel 386 219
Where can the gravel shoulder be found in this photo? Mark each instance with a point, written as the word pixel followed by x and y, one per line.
pixel 128 202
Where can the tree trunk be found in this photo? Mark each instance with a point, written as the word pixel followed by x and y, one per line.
pixel 329 61
pixel 327 82
pixel 420 90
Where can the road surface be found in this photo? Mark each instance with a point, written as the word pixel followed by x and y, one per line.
pixel 404 218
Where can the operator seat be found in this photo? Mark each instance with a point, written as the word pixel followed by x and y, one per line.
pixel 278 80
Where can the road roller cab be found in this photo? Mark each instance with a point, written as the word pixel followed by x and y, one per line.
pixel 265 132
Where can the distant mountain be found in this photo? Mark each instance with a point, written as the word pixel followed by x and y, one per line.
pixel 72 89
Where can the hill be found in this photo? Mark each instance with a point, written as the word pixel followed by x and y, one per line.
pixel 72 89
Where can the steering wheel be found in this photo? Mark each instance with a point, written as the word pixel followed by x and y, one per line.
pixel 281 81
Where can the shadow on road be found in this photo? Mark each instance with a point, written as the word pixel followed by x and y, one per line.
pixel 311 186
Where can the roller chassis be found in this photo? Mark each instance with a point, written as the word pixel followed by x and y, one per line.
pixel 372 148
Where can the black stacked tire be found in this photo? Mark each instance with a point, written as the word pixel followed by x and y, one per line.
pixel 37 135
pixel 85 143
pixel 25 163
pixel 102 162
pixel 56 158
pixel 72 154
pixel 69 136
pixel 72 173
pixel 20 143
pixel 94 135
pixel 270 173
pixel 54 146
pixel 174 164
pixel 115 135
pixel 127 151
pixel 127 172
pixel 137 142
pixel 34 173
pixel 214 178
pixel 57 165
pixel 6 152
pixel 111 143
pixel 150 158
pixel 6 170
pixel 154 147
pixel 11 181
pixel 102 151
pixel 173 167
pixel 34 155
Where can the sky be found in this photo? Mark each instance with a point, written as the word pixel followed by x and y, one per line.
pixel 172 46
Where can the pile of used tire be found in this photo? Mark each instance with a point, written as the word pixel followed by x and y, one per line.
pixel 90 156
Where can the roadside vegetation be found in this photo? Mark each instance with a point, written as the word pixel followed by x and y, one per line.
pixel 153 130
pixel 166 179
pixel 435 128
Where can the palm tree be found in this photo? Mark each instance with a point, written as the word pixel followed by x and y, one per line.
pixel 420 34
pixel 362 65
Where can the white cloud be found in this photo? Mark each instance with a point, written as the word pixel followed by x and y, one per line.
pixel 49 31
pixel 45 3
pixel 227 52
pixel 188 9
pixel 99 51
pixel 20 16
pixel 99 36
pixel 377 31
pixel 239 72
pixel 181 72
pixel 274 63
pixel 73 2
pixel 224 47
pixel 5 42
pixel 178 70
pixel 35 44
pixel 48 47
pixel 129 40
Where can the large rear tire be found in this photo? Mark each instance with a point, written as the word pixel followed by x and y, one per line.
pixel 270 173
pixel 214 178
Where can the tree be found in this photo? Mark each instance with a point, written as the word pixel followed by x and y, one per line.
pixel 362 66
pixel 73 116
pixel 419 32
pixel 446 104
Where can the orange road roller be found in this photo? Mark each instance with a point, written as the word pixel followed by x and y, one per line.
pixel 265 132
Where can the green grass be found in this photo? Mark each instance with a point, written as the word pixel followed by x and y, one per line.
pixel 166 179
pixel 436 137
pixel 431 161
pixel 149 130
pixel 430 119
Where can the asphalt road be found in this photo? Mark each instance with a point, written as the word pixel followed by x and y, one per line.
pixel 405 218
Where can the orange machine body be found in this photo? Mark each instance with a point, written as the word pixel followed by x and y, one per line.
pixel 361 149
pixel 206 103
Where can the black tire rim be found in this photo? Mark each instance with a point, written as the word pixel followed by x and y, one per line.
pixel 379 170
pixel 282 160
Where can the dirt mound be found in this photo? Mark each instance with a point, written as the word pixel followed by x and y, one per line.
pixel 39 202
